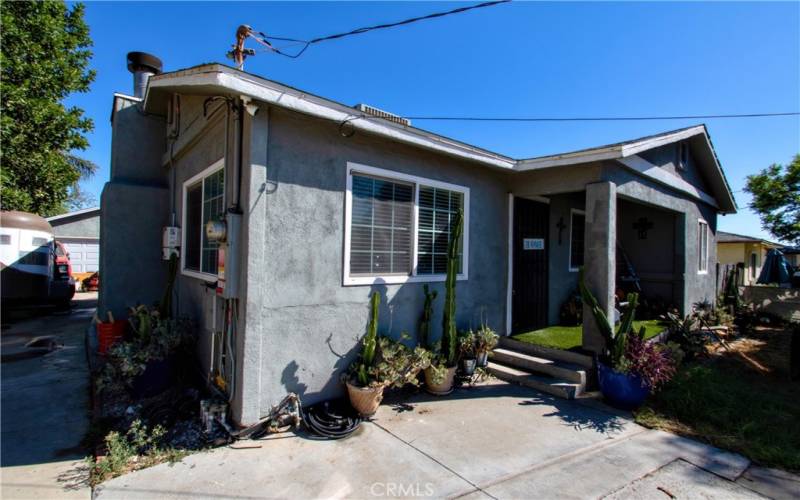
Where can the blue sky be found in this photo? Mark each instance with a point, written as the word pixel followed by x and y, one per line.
pixel 518 59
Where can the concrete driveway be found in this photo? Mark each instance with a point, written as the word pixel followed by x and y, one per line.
pixel 45 404
pixel 492 441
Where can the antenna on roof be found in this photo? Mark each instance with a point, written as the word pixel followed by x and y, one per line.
pixel 239 53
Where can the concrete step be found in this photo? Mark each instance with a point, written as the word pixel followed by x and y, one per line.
pixel 547 352
pixel 556 387
pixel 530 363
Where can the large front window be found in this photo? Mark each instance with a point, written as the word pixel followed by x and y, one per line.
pixel 204 200
pixel 398 227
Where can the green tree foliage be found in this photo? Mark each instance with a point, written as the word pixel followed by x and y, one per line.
pixel 45 57
pixel 776 199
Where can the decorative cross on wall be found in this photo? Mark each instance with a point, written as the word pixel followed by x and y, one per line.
pixel 642 225
pixel 561 226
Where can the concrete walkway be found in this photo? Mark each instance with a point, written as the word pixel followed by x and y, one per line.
pixel 45 405
pixel 493 441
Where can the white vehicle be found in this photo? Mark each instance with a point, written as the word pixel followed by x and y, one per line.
pixel 28 266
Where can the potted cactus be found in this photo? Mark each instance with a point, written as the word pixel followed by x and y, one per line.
pixel 365 391
pixel 467 352
pixel 383 362
pixel 440 375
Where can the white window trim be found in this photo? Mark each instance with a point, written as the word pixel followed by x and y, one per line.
pixel 569 254
pixel 212 169
pixel 390 175
pixel 700 246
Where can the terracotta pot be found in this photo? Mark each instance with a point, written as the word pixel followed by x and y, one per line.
pixel 365 400
pixel 443 389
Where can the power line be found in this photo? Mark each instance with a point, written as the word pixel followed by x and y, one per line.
pixel 589 119
pixel 263 38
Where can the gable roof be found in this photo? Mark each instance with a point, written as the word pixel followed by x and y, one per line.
pixel 211 79
pixel 76 213
pixel 723 237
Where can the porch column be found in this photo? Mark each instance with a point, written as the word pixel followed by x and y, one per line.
pixel 599 257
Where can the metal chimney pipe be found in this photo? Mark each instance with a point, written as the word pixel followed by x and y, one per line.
pixel 143 66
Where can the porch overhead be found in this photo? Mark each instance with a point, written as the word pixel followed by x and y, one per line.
pixel 627 153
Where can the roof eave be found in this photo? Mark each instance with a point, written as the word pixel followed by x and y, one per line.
pixel 215 79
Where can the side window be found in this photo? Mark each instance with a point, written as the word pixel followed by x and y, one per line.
pixel 204 200
pixel 683 155
pixel 702 246
pixel 576 230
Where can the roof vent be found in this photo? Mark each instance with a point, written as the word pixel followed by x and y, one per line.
pixel 143 66
pixel 364 108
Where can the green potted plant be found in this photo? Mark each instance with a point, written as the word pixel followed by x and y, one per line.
pixel 467 352
pixel 485 340
pixel 145 364
pixel 440 375
pixel 383 362
pixel 629 368
pixel 363 387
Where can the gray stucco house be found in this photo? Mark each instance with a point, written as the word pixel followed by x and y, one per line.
pixel 326 203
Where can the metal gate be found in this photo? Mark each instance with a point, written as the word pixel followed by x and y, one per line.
pixel 529 303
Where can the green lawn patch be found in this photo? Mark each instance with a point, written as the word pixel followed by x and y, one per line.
pixel 729 406
pixel 569 337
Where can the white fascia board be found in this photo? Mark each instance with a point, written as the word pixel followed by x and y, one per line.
pixel 658 174
pixel 654 142
pixel 573 159
pixel 271 93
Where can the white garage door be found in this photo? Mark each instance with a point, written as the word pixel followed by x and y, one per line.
pixel 84 255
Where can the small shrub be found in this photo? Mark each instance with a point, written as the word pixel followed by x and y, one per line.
pixel 137 448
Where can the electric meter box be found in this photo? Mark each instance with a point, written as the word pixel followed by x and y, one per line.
pixel 228 265
pixel 170 241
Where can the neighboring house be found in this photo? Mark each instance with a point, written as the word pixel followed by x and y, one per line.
pixel 327 203
pixel 746 252
pixel 79 231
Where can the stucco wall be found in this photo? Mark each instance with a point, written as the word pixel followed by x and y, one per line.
pixel 562 282
pixel 666 157
pixel 196 298
pixel 653 258
pixel 308 323
pixel 78 226
pixel 134 208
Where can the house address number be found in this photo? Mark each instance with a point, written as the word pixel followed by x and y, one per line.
pixel 533 243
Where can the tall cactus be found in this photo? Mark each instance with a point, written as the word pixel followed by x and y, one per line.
pixel 370 340
pixel 427 316
pixel 449 333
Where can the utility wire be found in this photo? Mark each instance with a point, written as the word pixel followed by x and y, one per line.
pixel 263 38
pixel 593 119
pixel 585 119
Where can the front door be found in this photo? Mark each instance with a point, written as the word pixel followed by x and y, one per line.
pixel 529 289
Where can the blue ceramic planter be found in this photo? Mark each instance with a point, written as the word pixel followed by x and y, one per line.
pixel 621 390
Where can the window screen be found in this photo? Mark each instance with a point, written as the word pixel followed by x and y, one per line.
pixel 437 211
pixel 381 225
pixel 576 240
